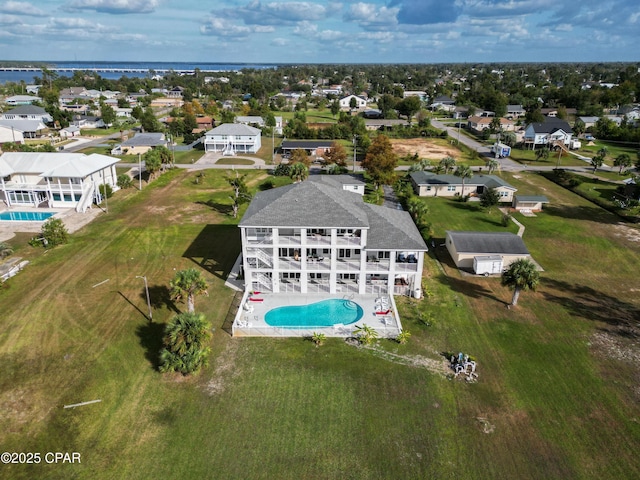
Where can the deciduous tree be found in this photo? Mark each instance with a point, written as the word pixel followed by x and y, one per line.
pixel 380 161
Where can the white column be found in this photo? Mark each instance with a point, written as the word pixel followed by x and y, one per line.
pixel 275 272
pixel 333 252
pixel 304 253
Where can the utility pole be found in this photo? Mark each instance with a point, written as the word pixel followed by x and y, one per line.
pixel 140 171
pixel 355 149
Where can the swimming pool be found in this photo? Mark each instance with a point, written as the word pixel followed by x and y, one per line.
pixel 320 314
pixel 26 216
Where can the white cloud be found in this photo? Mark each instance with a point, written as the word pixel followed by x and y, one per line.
pixel 221 28
pixel 115 6
pixel 370 16
pixel 22 8
pixel 275 13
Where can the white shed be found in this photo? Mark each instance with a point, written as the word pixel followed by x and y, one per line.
pixel 487 265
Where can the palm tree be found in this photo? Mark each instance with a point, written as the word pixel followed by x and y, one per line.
pixel 184 341
pixel 623 161
pixel 542 154
pixel 448 163
pixel 521 275
pixel 464 172
pixel 298 171
pixel 492 164
pixel 420 166
pixel 366 334
pixel 596 162
pixel 418 209
pixel 318 338
pixel 403 337
pixel 5 250
pixel 603 152
pixel 188 283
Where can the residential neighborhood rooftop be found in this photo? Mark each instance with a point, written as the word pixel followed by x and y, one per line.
pixel 487 243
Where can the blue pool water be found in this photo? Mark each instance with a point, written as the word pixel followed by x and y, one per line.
pixel 26 216
pixel 320 314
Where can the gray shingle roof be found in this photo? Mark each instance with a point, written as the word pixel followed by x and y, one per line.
pixel 28 110
pixel 317 204
pixel 489 181
pixel 234 129
pixel 487 243
pixel 551 124
pixel 146 139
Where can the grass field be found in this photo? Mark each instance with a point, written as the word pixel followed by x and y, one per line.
pixel 557 395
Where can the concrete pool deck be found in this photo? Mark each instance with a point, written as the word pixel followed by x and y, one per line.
pixel 251 323
pixel 72 220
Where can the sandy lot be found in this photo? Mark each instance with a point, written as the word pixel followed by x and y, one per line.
pixel 424 147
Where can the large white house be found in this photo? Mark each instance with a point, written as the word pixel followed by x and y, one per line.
pixel 233 138
pixel 55 180
pixel 552 131
pixel 318 237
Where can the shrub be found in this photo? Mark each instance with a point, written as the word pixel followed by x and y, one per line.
pixel 106 190
pixel 506 218
pixel 124 181
pixel 282 170
pixel 267 185
pixel 54 233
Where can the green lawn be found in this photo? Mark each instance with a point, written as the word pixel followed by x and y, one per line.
pixel 313 116
pixel 556 397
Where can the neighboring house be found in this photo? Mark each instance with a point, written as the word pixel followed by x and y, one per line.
pixel 10 134
pixel 311 237
pixel 55 180
pixel 589 121
pixel 70 131
pixel 460 112
pixel 443 103
pixel 315 148
pixel 483 123
pixel 233 138
pixel 175 92
pixel 29 128
pixel 123 112
pixel 465 246
pixel 550 132
pixel 21 100
pixel 33 89
pixel 427 184
pixel 515 111
pixel 529 203
pixel 345 102
pixel 255 120
pixel 553 112
pixel 204 123
pixel 27 112
pixel 89 121
pixel 348 183
pixel 141 143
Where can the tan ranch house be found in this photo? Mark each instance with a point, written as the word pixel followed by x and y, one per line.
pixel 427 184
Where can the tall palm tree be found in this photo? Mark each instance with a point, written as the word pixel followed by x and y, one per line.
pixel 188 283
pixel 420 166
pixel 521 275
pixel 418 209
pixel 596 162
pixel 464 172
pixel 448 163
pixel 623 161
pixel 298 171
pixel 5 250
pixel 492 164
pixel 185 338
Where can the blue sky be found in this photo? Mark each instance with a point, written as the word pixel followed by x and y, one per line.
pixel 321 31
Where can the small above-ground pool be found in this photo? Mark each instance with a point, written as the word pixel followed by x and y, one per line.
pixel 320 314
pixel 26 216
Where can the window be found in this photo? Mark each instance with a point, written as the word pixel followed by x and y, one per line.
pixel 504 194
pixel 56 197
pixel 384 255
pixel 451 188
pixel 290 276
pixel 315 276
pixel 428 188
pixel 67 197
pixel 344 253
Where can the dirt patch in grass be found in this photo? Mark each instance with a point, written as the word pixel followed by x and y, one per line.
pixel 440 366
pixel 629 233
pixel 424 148
pixel 225 369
